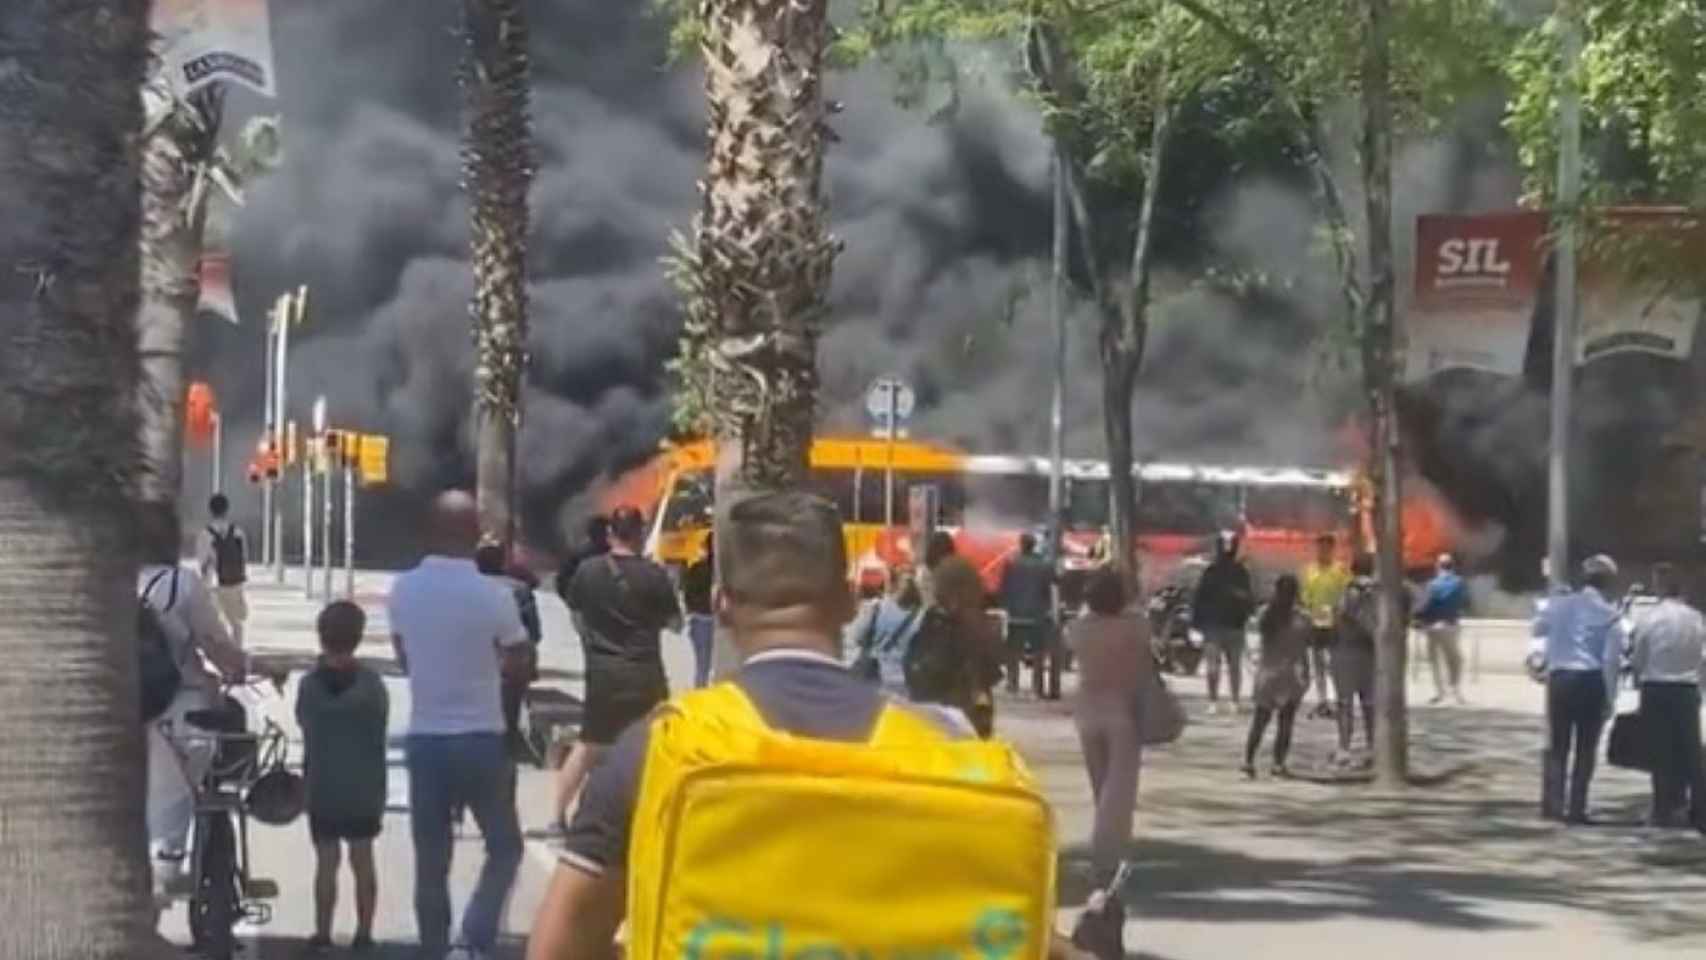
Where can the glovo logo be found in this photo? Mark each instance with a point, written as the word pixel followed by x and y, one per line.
pixel 995 934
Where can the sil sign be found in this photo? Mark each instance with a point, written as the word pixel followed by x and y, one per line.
pixel 1477 279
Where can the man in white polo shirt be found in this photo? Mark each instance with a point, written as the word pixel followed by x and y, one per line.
pixel 456 633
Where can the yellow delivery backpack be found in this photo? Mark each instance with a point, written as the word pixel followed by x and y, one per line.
pixel 750 842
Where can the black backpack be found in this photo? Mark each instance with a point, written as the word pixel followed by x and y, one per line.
pixel 932 666
pixel 229 559
pixel 157 666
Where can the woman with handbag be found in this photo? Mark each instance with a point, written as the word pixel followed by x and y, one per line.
pixel 1283 677
pixel 1116 679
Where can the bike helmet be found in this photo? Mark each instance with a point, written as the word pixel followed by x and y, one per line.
pixel 277 797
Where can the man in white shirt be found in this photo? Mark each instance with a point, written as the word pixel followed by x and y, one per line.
pixel 1669 661
pixel 1578 644
pixel 177 759
pixel 223 556
pixel 456 633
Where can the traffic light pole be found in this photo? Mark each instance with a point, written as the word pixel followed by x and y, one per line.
pixel 349 525
pixel 326 524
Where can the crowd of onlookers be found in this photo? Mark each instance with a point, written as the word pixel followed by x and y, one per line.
pixel 466 629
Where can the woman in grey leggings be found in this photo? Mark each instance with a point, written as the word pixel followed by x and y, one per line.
pixel 1115 664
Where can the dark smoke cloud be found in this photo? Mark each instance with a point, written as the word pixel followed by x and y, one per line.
pixel 943 279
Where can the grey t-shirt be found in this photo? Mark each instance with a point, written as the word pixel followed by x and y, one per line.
pixel 796 691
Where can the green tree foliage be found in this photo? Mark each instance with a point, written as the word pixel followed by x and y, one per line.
pixel 1642 73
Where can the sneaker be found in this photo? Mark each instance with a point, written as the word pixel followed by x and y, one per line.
pixel 465 952
pixel 1214 708
pixel 1248 770
pixel 1461 701
pixel 318 946
pixel 1280 771
pixel 1437 700
pixel 363 943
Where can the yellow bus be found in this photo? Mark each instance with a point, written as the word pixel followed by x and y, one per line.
pixel 986 502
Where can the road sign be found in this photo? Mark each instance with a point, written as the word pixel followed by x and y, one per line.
pixel 374 460
pixel 890 394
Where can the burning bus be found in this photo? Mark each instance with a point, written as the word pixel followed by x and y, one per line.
pixel 987 502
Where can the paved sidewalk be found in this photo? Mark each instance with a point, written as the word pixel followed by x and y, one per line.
pixel 1276 870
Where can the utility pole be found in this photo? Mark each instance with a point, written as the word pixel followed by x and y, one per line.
pixel 218 452
pixel 270 436
pixel 1057 419
pixel 1564 311
pixel 1057 406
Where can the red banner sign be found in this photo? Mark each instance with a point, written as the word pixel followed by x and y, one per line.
pixel 1477 278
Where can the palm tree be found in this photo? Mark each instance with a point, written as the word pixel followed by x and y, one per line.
pixel 755 275
pixel 183 165
pixel 75 884
pixel 497 165
pixel 178 145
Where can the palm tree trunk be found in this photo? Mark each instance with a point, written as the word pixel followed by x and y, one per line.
pixel 497 159
pixel 1392 760
pixel 74 880
pixel 756 272
pixel 173 218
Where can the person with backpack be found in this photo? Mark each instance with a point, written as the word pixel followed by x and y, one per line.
pixel 223 555
pixel 520 582
pixel 1358 623
pixel 791 808
pixel 179 633
pixel 621 604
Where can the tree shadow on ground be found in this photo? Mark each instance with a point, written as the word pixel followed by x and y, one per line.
pixel 271 947
pixel 1462 848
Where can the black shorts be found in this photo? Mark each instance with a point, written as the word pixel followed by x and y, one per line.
pixel 1322 638
pixel 330 829
pixel 609 712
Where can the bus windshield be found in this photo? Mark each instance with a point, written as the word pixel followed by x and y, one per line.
pixel 690 501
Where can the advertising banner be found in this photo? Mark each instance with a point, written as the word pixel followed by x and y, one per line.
pixel 1477 279
pixel 216 297
pixel 206 41
pixel 1637 295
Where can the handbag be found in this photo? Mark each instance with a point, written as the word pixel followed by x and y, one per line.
pixel 1160 717
pixel 1630 743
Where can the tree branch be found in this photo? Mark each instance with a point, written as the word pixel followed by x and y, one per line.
pixel 1143 249
pixel 1311 142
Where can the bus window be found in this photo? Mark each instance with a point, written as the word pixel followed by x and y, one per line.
pixel 836 486
pixel 1006 501
pixel 1086 504
pixel 690 501
pixel 1297 508
pixel 1196 509
pixel 871 497
pixel 950 490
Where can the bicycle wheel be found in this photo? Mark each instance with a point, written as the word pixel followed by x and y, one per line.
pixel 213 908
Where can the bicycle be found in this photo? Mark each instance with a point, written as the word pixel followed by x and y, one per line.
pixel 221 889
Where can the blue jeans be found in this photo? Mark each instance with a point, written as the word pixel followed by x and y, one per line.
pixel 702 631
pixel 446 774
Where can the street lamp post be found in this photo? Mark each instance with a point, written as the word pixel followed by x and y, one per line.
pixel 1564 313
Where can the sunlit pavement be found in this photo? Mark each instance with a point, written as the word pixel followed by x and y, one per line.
pixel 1458 865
